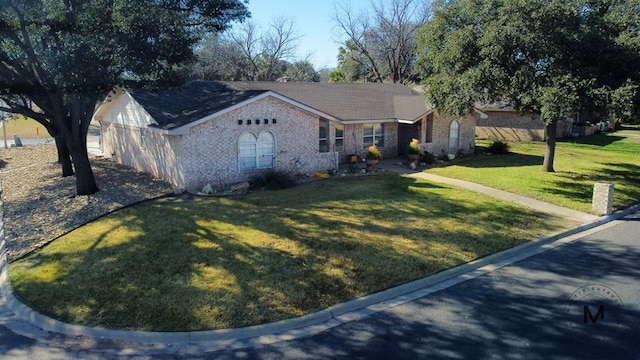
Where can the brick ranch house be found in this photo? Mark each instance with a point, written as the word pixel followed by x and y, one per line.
pixel 219 133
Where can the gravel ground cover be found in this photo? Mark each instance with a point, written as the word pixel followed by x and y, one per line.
pixel 40 205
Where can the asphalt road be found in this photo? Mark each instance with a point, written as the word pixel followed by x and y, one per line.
pixel 576 301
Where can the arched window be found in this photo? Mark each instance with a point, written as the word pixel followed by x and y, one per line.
pixel 266 150
pixel 256 153
pixel 247 145
pixel 454 135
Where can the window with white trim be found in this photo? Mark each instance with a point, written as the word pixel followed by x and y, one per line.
pixel 266 150
pixel 373 135
pixel 323 136
pixel 454 135
pixel 339 137
pixel 256 153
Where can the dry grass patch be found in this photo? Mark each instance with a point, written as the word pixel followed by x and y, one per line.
pixel 25 128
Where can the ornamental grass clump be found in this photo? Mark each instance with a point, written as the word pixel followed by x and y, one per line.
pixel 498 147
pixel 414 147
pixel 272 179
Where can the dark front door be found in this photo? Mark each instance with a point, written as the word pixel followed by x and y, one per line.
pixel 406 132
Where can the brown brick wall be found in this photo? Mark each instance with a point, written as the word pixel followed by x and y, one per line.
pixel 439 145
pixel 510 125
pixel 210 153
pixel 354 141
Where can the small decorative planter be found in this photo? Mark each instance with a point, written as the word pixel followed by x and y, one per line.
pixel 372 156
pixel 413 149
pixel 353 158
pixel 413 157
pixel 372 164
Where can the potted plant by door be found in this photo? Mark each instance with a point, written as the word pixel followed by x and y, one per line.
pixel 413 150
pixel 372 157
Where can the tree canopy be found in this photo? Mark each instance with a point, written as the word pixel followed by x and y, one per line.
pixel 555 58
pixel 65 56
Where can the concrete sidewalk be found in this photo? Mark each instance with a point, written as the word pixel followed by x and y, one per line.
pixel 394 165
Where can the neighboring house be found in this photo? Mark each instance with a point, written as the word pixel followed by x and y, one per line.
pixel 224 132
pixel 501 121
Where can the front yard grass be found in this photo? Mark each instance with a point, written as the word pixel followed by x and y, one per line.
pixel 192 263
pixel 579 163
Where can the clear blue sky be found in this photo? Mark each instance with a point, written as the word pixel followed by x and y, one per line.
pixel 313 19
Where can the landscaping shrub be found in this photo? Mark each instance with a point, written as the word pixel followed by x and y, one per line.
pixel 498 147
pixel 428 158
pixel 272 179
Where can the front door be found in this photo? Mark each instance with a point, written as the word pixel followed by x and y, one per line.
pixel 406 132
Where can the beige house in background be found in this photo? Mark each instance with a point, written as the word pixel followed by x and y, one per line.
pixel 500 121
pixel 209 132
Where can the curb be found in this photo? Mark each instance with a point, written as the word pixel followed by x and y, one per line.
pixel 211 340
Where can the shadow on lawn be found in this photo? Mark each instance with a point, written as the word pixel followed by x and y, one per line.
pixel 298 251
pixel 602 139
pixel 499 161
pixel 486 318
pixel 519 312
pixel 579 187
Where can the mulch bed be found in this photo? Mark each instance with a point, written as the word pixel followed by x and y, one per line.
pixel 40 205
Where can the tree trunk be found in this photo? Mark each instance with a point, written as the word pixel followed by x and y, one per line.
pixel 85 179
pixel 64 157
pixel 550 151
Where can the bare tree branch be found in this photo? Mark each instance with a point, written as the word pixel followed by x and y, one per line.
pixel 384 39
pixel 267 51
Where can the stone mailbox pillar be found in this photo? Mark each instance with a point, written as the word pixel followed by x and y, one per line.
pixel 602 202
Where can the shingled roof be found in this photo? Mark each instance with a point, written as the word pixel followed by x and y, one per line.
pixel 172 108
pixel 349 101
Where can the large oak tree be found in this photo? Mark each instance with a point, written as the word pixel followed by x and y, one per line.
pixel 59 58
pixel 555 58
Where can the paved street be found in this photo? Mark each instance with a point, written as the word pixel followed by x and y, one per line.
pixel 579 300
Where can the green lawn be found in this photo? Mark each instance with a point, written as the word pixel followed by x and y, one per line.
pixel 189 263
pixel 579 163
